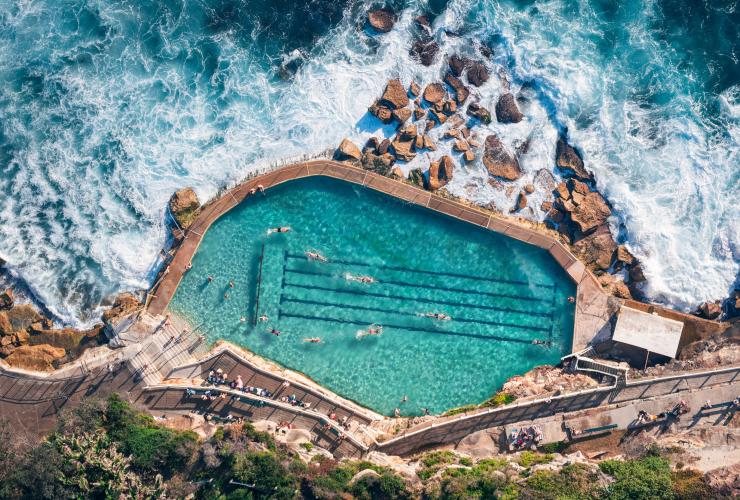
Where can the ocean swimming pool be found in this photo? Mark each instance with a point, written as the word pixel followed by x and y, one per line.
pixel 501 295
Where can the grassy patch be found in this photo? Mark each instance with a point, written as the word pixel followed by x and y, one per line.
pixel 530 458
pixel 500 398
pixel 434 461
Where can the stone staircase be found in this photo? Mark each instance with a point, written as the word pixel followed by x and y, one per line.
pixel 164 349
pixel 583 361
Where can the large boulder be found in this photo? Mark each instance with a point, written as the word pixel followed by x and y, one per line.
pixel 380 164
pixel 6 328
pixel 402 115
pixel 506 109
pixel 184 206
pixel 123 305
pixel 568 159
pixel 395 95
pixel 596 250
pixel 69 339
pixel 381 20
pixel 347 150
pixel 458 64
pixel 35 357
pixel 381 111
pixel 440 172
pixel 498 161
pixel 461 91
pixel 403 149
pixel 589 212
pixel 477 74
pixel 477 111
pixel 424 51
pixel 434 93
pixel 6 300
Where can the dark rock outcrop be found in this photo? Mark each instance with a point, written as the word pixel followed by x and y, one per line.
pixel 381 20
pixel 710 310
pixel 477 73
pixel 568 159
pixel 380 163
pixel 506 109
pixel 416 176
pixel 498 161
pixel 458 64
pixel 477 111
pixel 424 51
pixel 381 112
pixel 461 91
pixel 6 300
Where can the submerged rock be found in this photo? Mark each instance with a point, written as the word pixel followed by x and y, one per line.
pixel 347 150
pixel 184 206
pixel 506 109
pixel 498 161
pixel 381 20
pixel 458 64
pixel 424 51
pixel 568 159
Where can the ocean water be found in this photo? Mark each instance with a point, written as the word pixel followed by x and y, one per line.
pixel 501 295
pixel 106 107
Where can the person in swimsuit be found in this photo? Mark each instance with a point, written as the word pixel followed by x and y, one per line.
pixel 275 332
pixel 263 317
pixel 312 340
pixel 315 256
pixel 279 229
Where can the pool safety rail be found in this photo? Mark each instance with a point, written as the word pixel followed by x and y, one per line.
pixel 592 303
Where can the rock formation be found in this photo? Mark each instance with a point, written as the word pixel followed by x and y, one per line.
pixel 424 51
pixel 477 111
pixel 458 64
pixel 395 95
pixel 440 173
pixel 568 159
pixel 506 109
pixel 461 91
pixel 347 150
pixel 35 357
pixel 434 93
pixel 381 20
pixel 6 300
pixel 596 250
pixel 477 73
pixel 184 206
pixel 498 161
pixel 123 305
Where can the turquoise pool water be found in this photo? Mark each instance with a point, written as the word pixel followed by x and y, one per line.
pixel 501 295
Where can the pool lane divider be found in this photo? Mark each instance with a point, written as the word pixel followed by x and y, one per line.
pixel 425 271
pixel 259 287
pixel 420 285
pixel 283 314
pixel 284 298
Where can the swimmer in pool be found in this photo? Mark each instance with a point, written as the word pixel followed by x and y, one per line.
pixel 275 332
pixel 280 229
pixel 373 330
pixel 439 316
pixel 316 256
pixel 359 279
pixel 231 284
pixel 263 317
pixel 312 340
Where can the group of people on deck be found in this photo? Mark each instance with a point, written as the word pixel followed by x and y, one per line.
pixel 528 437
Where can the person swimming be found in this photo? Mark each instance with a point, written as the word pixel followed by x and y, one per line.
pixel 279 229
pixel 315 256
pixel 372 330
pixel 275 332
pixel 359 279
pixel 231 283
pixel 312 340
pixel 263 317
pixel 439 316
pixel 546 343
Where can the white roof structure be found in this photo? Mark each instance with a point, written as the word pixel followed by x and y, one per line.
pixel 648 331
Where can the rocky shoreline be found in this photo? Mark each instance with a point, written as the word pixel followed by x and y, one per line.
pixel 573 207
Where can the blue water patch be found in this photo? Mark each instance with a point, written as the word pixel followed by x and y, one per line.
pixel 507 301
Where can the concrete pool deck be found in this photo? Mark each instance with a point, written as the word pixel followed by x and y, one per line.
pixel 593 306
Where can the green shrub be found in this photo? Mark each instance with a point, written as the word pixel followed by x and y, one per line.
pixel 689 484
pixel 466 461
pixel 386 487
pixel 307 446
pixel 500 398
pixel 645 478
pixel 576 481
pixel 530 458
pixel 264 470
pixel 556 447
pixel 433 461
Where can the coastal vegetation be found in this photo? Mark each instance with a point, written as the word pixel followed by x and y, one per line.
pixel 109 449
